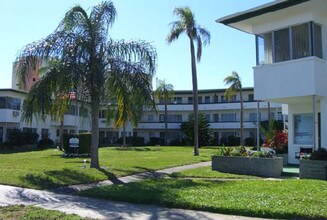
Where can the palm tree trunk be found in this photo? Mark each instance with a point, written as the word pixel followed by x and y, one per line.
pixel 195 100
pixel 166 121
pixel 95 131
pixel 124 135
pixel 241 121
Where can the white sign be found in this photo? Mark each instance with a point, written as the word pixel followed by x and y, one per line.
pixel 74 142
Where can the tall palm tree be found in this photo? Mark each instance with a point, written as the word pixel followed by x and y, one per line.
pixel 235 83
pixel 187 24
pixel 165 92
pixel 86 58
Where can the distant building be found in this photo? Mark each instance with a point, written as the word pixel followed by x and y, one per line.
pixel 291 65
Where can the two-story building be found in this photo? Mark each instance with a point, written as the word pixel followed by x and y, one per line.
pixel 291 68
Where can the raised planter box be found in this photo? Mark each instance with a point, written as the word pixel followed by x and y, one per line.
pixel 257 166
pixel 285 158
pixel 313 169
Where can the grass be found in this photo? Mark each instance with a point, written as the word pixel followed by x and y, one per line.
pixel 207 172
pixel 34 213
pixel 257 198
pixel 44 169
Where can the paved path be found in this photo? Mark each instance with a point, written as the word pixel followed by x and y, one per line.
pixel 100 209
pixel 127 179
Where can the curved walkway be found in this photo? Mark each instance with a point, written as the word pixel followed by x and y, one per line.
pixel 59 199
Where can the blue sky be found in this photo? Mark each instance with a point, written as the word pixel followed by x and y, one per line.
pixel 230 50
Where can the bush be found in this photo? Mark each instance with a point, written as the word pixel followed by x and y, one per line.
pixel 133 141
pixel 85 141
pixel 45 143
pixel 156 141
pixel 223 142
pixel 18 137
pixel 233 141
pixel 178 142
pixel 320 154
pixel 249 141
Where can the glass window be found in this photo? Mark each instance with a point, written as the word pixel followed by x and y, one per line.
pixel 207 99
pixel 300 41
pixel 150 117
pixel 161 118
pixel 200 99
pixel 317 40
pixel 282 45
pixel 303 129
pixel 2 102
pixel 251 98
pixel 207 117
pixel 215 117
pixel 177 100
pixel 215 99
pixel 264 49
pixel 229 117
pixel 102 113
pixel 190 100
pixel 253 117
pixel 222 98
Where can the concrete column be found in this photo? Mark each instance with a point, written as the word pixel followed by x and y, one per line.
pixel 258 125
pixel 314 122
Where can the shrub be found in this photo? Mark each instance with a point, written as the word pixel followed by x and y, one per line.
pixel 156 141
pixel 249 141
pixel 320 154
pixel 280 141
pixel 85 140
pixel 176 142
pixel 134 141
pixel 45 143
pixel 233 141
pixel 223 142
pixel 18 137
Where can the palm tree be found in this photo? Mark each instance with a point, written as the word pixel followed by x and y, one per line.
pixel 235 86
pixel 80 54
pixel 187 24
pixel 165 92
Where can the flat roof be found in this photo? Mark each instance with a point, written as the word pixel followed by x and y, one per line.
pixel 206 91
pixel 260 10
pixel 13 90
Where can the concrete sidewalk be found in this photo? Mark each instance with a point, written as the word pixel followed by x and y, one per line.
pixel 127 179
pixel 100 209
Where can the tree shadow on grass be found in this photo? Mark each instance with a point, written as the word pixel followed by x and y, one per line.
pixel 112 177
pixel 137 149
pixel 56 178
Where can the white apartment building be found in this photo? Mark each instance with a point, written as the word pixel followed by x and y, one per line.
pixel 291 65
pixel 224 117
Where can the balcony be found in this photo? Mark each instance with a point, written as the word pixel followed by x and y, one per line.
pixel 280 82
pixel 10 116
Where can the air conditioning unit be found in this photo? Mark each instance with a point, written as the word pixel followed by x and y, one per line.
pixel 15 113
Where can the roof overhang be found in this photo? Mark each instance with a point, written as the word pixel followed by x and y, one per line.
pixel 237 20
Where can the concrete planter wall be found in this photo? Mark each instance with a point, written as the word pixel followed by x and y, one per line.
pixel 257 166
pixel 285 158
pixel 313 169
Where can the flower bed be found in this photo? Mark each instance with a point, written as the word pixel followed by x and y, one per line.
pixel 314 166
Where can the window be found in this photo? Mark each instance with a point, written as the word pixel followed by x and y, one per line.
pixel 229 117
pixel 10 103
pixel 174 118
pixel 150 117
pixel 264 49
pixel 222 98
pixel 290 43
pixel 226 134
pixel 177 100
pixel 207 99
pixel 215 99
pixel 282 45
pixel 200 99
pixel 161 118
pixel 58 132
pixel 317 40
pixel 71 110
pixel 102 113
pixel 251 98
pixel 207 117
pixel 190 100
pixel 300 41
pixel 279 116
pixel 215 117
pixel 303 129
pixel 253 117
pixel 152 134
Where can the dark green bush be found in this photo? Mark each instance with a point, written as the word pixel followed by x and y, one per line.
pixel 18 137
pixel 133 141
pixel 233 141
pixel 85 141
pixel 156 141
pixel 249 141
pixel 320 154
pixel 45 143
pixel 223 142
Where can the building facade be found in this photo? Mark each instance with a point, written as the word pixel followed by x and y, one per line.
pixel 291 65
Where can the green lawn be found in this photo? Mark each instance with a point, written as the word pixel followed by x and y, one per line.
pixel 207 172
pixel 46 169
pixel 33 213
pixel 259 198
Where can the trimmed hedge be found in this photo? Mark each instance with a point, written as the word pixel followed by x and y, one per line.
pixel 133 141
pixel 85 141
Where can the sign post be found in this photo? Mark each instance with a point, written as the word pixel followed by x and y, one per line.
pixel 74 143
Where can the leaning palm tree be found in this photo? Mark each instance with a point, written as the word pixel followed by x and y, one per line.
pixel 165 92
pixel 80 54
pixel 187 24
pixel 235 86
